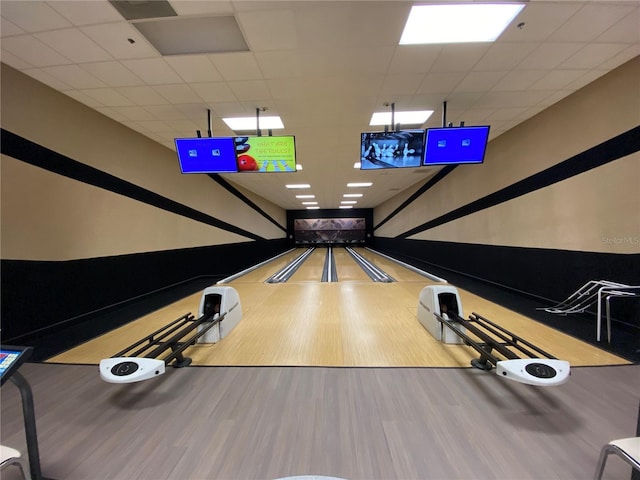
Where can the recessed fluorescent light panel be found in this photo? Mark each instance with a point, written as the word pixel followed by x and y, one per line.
pixel 352 195
pixel 309 203
pixel 458 23
pixel 313 208
pixel 298 185
pixel 403 118
pixel 361 184
pixel 305 196
pixel 251 123
pixel 348 202
pixel 345 206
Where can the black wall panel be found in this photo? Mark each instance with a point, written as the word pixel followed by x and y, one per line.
pixel 45 296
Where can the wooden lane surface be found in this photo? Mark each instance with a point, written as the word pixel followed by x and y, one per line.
pixel 347 268
pixel 307 323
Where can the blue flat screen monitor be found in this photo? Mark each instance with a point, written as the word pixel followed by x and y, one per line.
pixel 11 357
pixel 206 155
pixel 400 149
pixel 456 145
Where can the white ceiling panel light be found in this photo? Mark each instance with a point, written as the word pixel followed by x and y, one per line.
pixel 305 196
pixel 345 206
pixel 251 123
pixel 359 184
pixel 298 185
pixel 403 118
pixel 352 195
pixel 458 23
pixel 313 208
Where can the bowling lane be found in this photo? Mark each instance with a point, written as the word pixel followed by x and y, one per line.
pixel 397 271
pixel 311 269
pixel 347 268
pixel 265 271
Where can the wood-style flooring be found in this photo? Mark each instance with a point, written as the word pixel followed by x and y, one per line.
pixel 354 322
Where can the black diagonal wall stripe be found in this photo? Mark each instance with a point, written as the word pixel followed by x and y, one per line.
pixel 22 149
pixel 613 149
pixel 432 181
pixel 234 191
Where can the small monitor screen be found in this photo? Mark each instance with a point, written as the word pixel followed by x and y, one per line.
pixel 10 359
pixel 455 145
pixel 266 154
pixel 391 149
pixel 206 155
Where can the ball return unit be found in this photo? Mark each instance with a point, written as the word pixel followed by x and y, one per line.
pixel 540 369
pixel 140 361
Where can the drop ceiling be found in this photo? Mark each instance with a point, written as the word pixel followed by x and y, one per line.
pixel 323 66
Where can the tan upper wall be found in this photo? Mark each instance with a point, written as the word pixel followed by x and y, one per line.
pixel 597 211
pixel 46 216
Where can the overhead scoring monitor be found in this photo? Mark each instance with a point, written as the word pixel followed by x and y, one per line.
pixel 455 145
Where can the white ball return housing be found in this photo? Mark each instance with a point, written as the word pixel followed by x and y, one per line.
pixel 219 312
pixel 441 305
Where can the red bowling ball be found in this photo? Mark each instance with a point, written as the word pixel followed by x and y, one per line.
pixel 247 163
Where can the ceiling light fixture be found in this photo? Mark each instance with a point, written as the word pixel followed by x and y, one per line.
pixel 403 118
pixel 352 195
pixel 305 196
pixel 251 123
pixel 298 185
pixel 458 23
pixel 348 202
pixel 345 206
pixel 358 185
pixel 309 203
pixel 313 208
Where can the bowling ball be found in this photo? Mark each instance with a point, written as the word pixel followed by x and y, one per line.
pixel 247 163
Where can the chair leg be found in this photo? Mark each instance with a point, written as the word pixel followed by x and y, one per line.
pixel 604 453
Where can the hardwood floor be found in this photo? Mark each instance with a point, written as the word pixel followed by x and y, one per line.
pixel 241 423
pixel 353 322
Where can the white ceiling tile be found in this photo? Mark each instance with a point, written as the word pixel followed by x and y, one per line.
pixel 557 79
pixel 198 7
pixel 74 76
pixel 250 90
pixel 236 66
pixel 111 113
pixel 86 12
pixel 107 97
pixel 177 93
pixel 33 51
pixel 214 92
pixel 440 82
pixel 541 19
pixel 413 58
pixel 369 61
pixel 626 30
pixel 519 80
pixel 459 57
pixel 142 95
pixel 401 84
pixel 268 30
pixel 376 23
pixel 586 79
pixel 504 56
pixel 510 99
pixel 593 55
pixel 14 61
pixel 33 16
pixel 74 45
pixel 114 38
pixel 182 127
pixel 165 112
pixel 82 98
pixel 133 113
pixel 627 54
pixel 479 81
pixel 113 74
pixel 591 21
pixel 8 29
pixel 153 71
pixel 279 64
pixel 45 78
pixel 549 55
pixel 505 114
pixel 194 68
pixel 154 126
pixel 322 25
